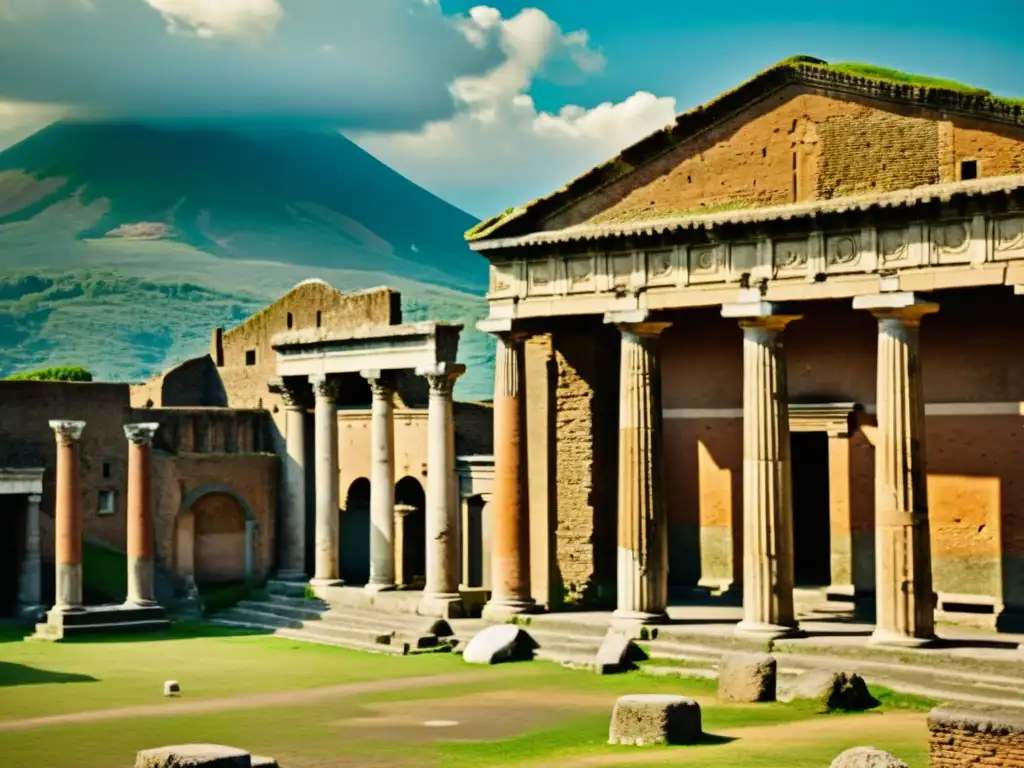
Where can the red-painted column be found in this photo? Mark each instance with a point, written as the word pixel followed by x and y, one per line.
pixel 140 514
pixel 68 517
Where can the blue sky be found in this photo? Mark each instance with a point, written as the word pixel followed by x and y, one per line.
pixel 487 106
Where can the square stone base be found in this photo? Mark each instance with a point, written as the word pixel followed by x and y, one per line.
pixel 101 620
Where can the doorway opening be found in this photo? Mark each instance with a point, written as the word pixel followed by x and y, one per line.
pixel 354 549
pixel 12 550
pixel 812 544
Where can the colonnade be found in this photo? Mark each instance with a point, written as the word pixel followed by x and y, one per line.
pixel 441 591
pixel 68 520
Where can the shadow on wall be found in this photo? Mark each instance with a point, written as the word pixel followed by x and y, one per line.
pixel 354 534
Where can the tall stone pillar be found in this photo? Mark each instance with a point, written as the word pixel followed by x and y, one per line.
pixel 141 576
pixel 325 392
pixel 441 593
pixel 642 573
pixel 510 543
pixel 292 554
pixel 30 586
pixel 904 600
pixel 768 610
pixel 68 518
pixel 382 482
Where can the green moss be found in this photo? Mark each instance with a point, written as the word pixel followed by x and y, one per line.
pixel 487 226
pixel 647 214
pixel 56 373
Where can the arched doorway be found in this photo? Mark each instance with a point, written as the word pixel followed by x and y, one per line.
pixel 354 530
pixel 411 503
pixel 214 536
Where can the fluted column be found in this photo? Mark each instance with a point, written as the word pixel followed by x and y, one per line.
pixel 382 482
pixel 904 599
pixel 768 610
pixel 510 545
pixel 642 571
pixel 441 593
pixel 325 392
pixel 141 587
pixel 67 515
pixel 30 587
pixel 292 555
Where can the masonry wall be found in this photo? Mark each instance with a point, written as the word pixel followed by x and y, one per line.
pixel 800 144
pixel 959 738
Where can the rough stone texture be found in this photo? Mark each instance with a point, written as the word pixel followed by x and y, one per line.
pixel 618 653
pixel 260 761
pixel 648 719
pixel 976 735
pixel 498 643
pixel 193 756
pixel 867 757
pixel 832 690
pixel 747 677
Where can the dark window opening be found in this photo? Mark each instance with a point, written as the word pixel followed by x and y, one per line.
pixel 250 357
pixel 318 318
pixel 764 151
pixel 106 470
pixel 291 320
pixel 968 170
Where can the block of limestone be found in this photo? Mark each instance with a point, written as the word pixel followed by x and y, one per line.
pixel 648 719
pixel 747 677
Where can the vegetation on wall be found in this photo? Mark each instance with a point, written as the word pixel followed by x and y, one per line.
pixel 104 573
pixel 55 373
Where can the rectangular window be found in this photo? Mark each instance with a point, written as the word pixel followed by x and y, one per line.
pixel 108 502
pixel 318 318
pixel 250 357
pixel 106 470
pixel 968 170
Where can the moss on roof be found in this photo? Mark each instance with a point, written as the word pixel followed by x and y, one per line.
pixel 922 89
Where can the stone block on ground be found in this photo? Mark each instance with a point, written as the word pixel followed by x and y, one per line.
pixel 747 677
pixel 499 643
pixel 618 653
pixel 171 688
pixel 867 757
pixel 193 756
pixel 971 734
pixel 832 690
pixel 648 719
pixel 260 761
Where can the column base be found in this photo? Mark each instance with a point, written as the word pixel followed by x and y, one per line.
pixel 68 609
pixel 759 630
pixel 380 587
pixel 891 639
pixel 620 616
pixel 326 582
pixel 441 605
pixel 503 609
pixel 292 575
pixel 139 603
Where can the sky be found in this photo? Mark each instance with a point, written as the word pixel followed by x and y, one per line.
pixel 487 106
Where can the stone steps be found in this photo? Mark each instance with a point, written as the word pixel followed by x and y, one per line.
pixel 313 636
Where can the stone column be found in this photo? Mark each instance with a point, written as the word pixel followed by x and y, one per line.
pixel 67 516
pixel 325 437
pixel 510 510
pixel 441 593
pixel 768 610
pixel 642 572
pixel 382 482
pixel 904 600
pixel 292 556
pixel 30 587
pixel 141 577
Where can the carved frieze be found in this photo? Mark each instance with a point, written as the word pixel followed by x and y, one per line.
pixel 1008 237
pixel 580 274
pixel 539 276
pixel 842 250
pixel 790 257
pixel 501 278
pixel 893 246
pixel 621 267
pixel 951 241
pixel 660 266
pixel 707 263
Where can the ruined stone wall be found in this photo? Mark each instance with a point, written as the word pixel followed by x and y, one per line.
pixel 961 737
pixel 798 145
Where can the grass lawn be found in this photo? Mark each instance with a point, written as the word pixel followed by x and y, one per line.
pixel 288 704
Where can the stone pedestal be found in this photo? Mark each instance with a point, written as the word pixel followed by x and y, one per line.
pixel 141 588
pixel 441 593
pixel 510 545
pixel 67 516
pixel 904 599
pixel 325 392
pixel 768 610
pixel 642 572
pixel 30 589
pixel 382 483
pixel 292 552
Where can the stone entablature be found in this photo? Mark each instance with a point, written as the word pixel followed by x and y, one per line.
pixel 915 248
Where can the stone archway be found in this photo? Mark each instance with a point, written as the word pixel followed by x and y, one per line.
pixel 354 530
pixel 411 531
pixel 215 536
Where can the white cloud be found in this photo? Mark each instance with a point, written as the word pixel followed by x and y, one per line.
pixel 498 137
pixel 19 120
pixel 244 19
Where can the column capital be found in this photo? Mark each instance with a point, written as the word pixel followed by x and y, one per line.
pixel 382 383
pixel 67 432
pixel 637 322
pixel 296 397
pixel 906 307
pixel 758 314
pixel 441 377
pixel 324 388
pixel 141 434
pixel 503 326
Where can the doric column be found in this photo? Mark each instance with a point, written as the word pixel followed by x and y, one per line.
pixel 642 573
pixel 768 610
pixel 30 588
pixel 325 439
pixel 441 593
pixel 510 545
pixel 382 481
pixel 141 589
pixel 904 600
pixel 67 515
pixel 292 555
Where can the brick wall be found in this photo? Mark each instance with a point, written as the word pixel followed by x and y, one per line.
pixel 961 737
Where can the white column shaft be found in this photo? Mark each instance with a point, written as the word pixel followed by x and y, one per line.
pixel 30 593
pixel 326 467
pixel 293 529
pixel 382 488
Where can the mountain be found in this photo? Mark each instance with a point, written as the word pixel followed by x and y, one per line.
pixel 123 243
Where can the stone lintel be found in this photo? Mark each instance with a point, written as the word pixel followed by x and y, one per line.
pixel 758 312
pixel 141 434
pixel 897 304
pixel 452 370
pixel 1018 290
pixel 496 325
pixel 68 431
pixel 628 317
